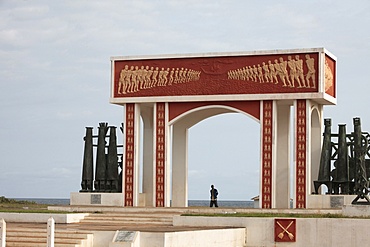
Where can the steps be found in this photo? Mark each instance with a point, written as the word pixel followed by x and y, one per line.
pixel 35 237
pixel 129 219
pixel 80 234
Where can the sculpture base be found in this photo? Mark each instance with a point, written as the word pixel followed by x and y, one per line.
pixel 358 210
pixel 97 199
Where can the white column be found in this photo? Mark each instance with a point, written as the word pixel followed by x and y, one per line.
pixel 51 230
pixel 281 191
pixel 179 166
pixel 314 132
pixel 2 233
pixel 148 156
pixel 137 157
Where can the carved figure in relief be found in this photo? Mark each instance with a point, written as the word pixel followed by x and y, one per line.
pixel 128 86
pixel 148 74
pixel 311 71
pixel 134 81
pixel 171 76
pixel 140 78
pixel 122 80
pixel 184 75
pixel 328 76
pixel 279 72
pixel 293 72
pixel 266 72
pixel 160 77
pixel 177 75
pixel 284 71
pixel 246 72
pixel 260 73
pixel 165 74
pixel 180 75
pixel 299 66
pixel 273 76
pixel 154 77
pixel 255 72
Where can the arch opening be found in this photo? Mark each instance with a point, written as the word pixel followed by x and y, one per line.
pixel 233 166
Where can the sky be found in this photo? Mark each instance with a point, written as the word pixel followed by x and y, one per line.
pixel 55 79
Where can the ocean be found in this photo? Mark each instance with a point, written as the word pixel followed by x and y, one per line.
pixel 194 203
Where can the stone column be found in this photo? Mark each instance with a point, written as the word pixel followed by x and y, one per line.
pixel 131 157
pixel 180 165
pixel 147 114
pixel 160 154
pixel 266 152
pixel 301 153
pixel 281 178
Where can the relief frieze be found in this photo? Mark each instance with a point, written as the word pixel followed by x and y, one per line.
pixel 228 75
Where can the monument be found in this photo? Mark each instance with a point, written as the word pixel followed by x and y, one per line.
pixel 171 93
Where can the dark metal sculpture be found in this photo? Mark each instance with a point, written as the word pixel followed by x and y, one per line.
pixel 344 168
pixel 112 162
pixel 101 164
pixel 361 179
pixel 108 161
pixel 325 160
pixel 340 173
pixel 87 167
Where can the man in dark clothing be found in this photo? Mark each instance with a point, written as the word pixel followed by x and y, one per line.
pixel 214 194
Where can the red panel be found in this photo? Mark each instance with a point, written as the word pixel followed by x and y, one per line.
pixel 160 154
pixel 250 107
pixel 130 154
pixel 258 74
pixel 330 76
pixel 267 154
pixel 301 146
pixel 285 230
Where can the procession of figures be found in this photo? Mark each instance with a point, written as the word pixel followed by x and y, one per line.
pixel 277 71
pixel 135 78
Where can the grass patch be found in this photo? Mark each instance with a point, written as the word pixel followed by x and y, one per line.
pixel 16 206
pixel 275 215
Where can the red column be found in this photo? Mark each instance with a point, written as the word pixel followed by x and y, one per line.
pixel 300 151
pixel 129 155
pixel 160 154
pixel 267 129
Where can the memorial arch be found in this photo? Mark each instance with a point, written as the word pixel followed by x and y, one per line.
pixel 171 93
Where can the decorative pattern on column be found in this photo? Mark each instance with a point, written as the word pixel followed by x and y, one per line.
pixel 160 154
pixel 130 157
pixel 301 154
pixel 267 155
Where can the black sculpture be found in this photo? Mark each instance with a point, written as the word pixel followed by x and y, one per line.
pixel 108 161
pixel 112 162
pixel 344 168
pixel 101 165
pixel 87 167
pixel 325 160
pixel 361 179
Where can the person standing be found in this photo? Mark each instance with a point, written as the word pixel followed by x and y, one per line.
pixel 214 194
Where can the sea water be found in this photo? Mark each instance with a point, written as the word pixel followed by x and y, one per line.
pixel 191 203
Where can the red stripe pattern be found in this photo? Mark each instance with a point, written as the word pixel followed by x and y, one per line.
pixel 267 154
pixel 160 154
pixel 301 154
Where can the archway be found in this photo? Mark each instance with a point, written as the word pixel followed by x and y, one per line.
pixel 263 84
pixel 232 138
pixel 189 114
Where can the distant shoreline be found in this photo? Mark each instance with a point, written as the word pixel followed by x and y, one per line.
pixel 198 203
